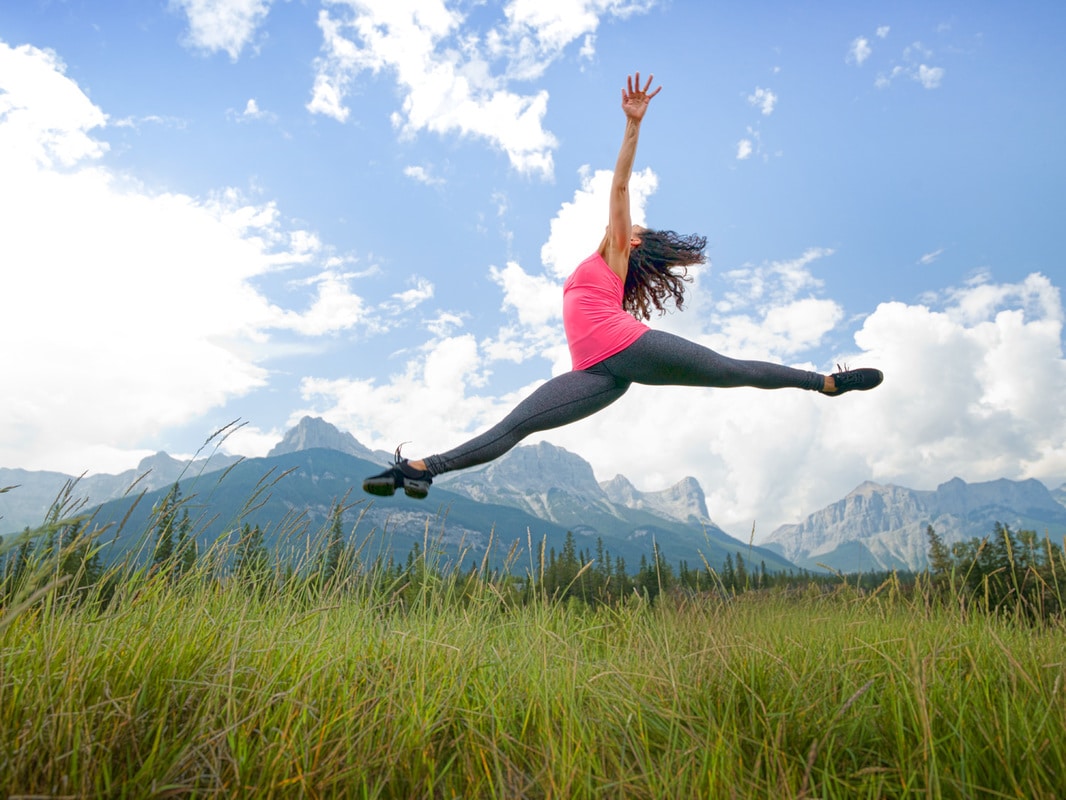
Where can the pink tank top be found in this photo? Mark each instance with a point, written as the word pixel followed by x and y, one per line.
pixel 596 325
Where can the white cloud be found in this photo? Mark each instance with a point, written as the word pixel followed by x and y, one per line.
pixel 764 100
pixel 537 32
pixel 882 31
pixel 929 258
pixel 929 77
pixel 884 80
pixel 333 308
pixel 579 226
pixel 422 175
pixel 913 67
pixel 446 71
pixel 413 297
pixel 860 50
pixel 252 113
pixel 774 284
pixel 536 298
pixel 143 313
pixel 441 382
pixel 226 25
pixel 969 409
pixel 45 119
pixel 744 149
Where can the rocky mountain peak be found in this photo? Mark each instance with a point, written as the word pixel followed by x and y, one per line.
pixel 160 462
pixel 682 501
pixel 315 432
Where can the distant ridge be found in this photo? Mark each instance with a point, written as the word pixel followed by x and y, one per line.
pixel 884 527
pixel 26 505
pixel 874 527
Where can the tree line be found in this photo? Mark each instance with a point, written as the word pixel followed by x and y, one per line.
pixel 1005 570
pixel 65 552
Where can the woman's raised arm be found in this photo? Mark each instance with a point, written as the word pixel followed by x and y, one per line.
pixel 619 238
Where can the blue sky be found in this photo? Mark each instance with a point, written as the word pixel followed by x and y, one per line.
pixel 365 211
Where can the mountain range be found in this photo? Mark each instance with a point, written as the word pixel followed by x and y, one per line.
pixel 294 491
pixel 884 527
pixel 512 508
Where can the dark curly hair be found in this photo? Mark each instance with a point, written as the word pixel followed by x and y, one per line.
pixel 651 280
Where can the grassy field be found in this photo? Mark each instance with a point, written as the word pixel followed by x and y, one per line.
pixel 201 688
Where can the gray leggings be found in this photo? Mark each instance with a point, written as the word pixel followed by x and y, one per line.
pixel 656 359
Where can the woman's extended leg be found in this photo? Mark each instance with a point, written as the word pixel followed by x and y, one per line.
pixel 656 358
pixel 660 359
pixel 564 399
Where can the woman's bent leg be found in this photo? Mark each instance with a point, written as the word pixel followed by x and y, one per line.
pixel 660 358
pixel 564 399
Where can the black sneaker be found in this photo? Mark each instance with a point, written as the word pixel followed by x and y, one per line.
pixel 414 482
pixel 855 380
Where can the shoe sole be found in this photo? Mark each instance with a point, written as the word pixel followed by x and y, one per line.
pixel 415 488
pixel 386 487
pixel 382 487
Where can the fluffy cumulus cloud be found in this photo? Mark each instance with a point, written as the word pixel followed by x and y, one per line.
pixel 965 403
pixel 929 77
pixel 860 50
pixel 101 274
pixel 222 25
pixel 453 78
pixel 443 381
pixel 45 119
pixel 579 225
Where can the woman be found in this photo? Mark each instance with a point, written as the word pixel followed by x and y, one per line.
pixel 604 300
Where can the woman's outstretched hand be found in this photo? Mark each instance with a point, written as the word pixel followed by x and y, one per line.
pixel 634 99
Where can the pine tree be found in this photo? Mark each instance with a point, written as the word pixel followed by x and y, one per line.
pixel 252 562
pixel 940 562
pixel 16 573
pixel 729 577
pixel 166 513
pixel 742 574
pixel 335 545
pixel 186 546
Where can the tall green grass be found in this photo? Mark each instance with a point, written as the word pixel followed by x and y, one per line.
pixel 450 685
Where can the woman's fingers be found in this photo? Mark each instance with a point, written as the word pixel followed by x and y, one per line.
pixel 634 81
